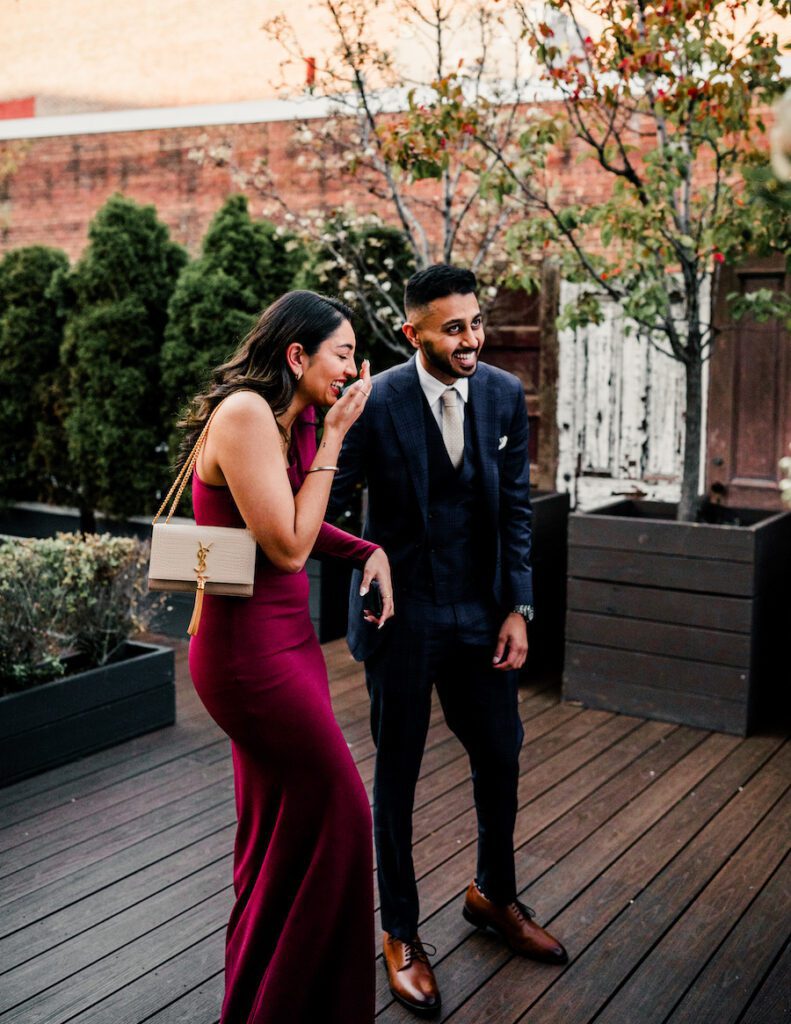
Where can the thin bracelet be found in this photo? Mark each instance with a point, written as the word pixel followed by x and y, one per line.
pixel 322 469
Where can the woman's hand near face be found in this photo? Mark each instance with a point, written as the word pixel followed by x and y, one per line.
pixel 351 404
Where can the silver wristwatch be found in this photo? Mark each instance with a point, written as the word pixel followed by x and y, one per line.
pixel 525 610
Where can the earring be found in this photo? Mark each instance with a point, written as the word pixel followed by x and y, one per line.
pixel 298 376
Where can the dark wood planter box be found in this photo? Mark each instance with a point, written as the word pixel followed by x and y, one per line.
pixel 79 714
pixel 683 622
pixel 550 556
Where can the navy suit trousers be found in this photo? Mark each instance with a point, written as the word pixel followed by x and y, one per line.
pixel 450 646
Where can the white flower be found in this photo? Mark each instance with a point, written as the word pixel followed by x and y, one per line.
pixel 349 295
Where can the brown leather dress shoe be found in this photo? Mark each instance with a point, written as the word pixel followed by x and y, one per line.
pixel 515 924
pixel 411 978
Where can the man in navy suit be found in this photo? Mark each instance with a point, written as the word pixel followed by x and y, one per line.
pixel 443 447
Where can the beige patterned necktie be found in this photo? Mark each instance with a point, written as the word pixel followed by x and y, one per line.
pixel 452 427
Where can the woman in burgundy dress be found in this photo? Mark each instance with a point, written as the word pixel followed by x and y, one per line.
pixel 299 947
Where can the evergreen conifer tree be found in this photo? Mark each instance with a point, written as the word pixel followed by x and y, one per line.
pixel 118 293
pixel 245 265
pixel 32 463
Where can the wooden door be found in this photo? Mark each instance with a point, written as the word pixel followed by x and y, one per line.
pixel 749 406
pixel 521 338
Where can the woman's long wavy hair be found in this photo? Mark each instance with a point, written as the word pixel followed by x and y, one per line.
pixel 259 364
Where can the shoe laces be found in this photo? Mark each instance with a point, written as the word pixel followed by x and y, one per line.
pixel 522 911
pixel 417 952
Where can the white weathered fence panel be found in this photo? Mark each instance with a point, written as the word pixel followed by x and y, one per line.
pixel 620 413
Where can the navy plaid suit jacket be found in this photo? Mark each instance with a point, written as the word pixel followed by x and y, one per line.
pixel 387 449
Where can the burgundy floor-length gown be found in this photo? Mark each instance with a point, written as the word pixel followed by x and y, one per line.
pixel 299 946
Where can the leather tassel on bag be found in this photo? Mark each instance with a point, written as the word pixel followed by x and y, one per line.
pixel 192 629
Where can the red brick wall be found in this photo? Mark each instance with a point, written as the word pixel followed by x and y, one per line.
pixel 58 184
pixel 51 188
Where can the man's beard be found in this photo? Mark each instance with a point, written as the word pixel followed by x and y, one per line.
pixel 446 365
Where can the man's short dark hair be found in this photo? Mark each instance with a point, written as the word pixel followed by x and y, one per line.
pixel 436 282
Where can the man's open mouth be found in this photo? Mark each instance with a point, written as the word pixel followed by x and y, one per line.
pixel 465 357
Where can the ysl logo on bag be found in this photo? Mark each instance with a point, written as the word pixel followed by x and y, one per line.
pixel 200 568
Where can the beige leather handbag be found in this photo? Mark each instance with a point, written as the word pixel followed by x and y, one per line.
pixel 192 558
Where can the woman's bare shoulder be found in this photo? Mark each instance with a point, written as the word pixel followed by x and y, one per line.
pixel 244 407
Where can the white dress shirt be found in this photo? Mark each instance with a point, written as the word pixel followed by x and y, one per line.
pixel 433 389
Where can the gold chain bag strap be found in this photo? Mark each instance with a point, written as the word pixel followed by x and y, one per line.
pixel 189 558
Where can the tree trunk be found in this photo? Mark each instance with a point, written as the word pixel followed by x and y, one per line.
pixel 688 505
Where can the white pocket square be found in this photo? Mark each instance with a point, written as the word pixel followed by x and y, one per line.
pixel 503 442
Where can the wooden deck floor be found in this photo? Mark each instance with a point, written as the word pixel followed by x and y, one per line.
pixel 658 853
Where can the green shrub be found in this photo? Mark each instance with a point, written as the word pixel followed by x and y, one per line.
pixel 31 332
pixel 71 594
pixel 117 296
pixel 245 265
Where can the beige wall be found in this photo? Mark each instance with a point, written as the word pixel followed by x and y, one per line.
pixel 80 55
pixel 84 54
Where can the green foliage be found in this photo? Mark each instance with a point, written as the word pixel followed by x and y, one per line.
pixel 245 265
pixel 366 263
pixel 71 594
pixel 117 296
pixel 31 332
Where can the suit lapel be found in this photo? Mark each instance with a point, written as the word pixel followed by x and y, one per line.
pixel 409 426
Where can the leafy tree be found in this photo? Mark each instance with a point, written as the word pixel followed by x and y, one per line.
pixel 666 100
pixel 244 266
pixel 367 263
pixel 31 332
pixel 117 296
pixel 360 145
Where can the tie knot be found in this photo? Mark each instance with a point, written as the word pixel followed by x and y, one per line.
pixel 449 398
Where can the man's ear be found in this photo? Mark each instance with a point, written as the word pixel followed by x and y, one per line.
pixel 294 357
pixel 411 334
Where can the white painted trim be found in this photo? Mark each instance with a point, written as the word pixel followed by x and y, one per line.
pixel 146 119
pixel 247 112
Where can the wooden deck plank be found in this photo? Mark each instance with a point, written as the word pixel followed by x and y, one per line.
pixel 116 807
pixel 55 818
pixel 653 989
pixel 581 915
pixel 91 910
pixel 99 847
pixel 144 996
pixel 111 869
pixel 631 766
pixel 75 997
pixel 581 892
pixel 115 887
pixel 737 968
pixel 772 1004
pixel 198 1006
pixel 75 955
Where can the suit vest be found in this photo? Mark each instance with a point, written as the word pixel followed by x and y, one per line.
pixel 455 563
